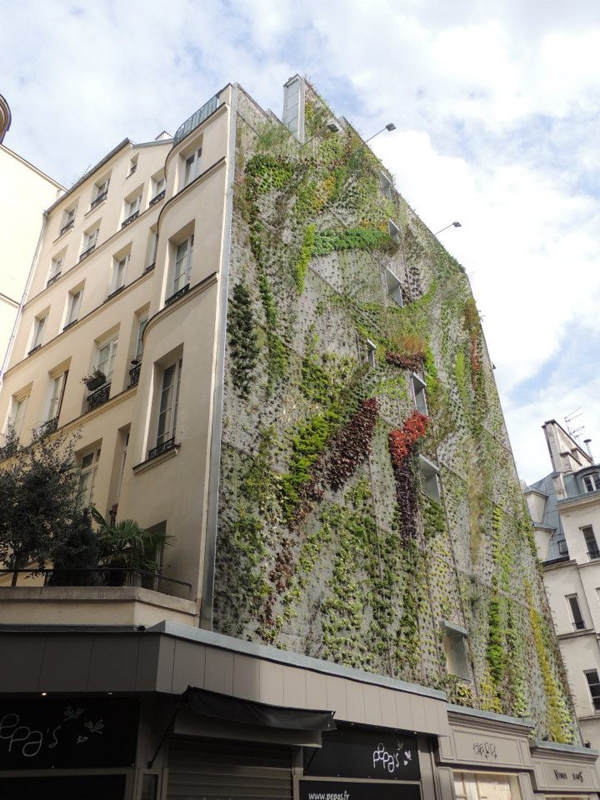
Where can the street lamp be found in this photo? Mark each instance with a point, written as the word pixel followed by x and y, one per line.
pixel 389 127
pixel 452 225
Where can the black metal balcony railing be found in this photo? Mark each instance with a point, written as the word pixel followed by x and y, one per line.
pixel 34 349
pixel 67 227
pixel 70 324
pixel 98 577
pixel 98 397
pixel 174 297
pixel 99 199
pixel 196 119
pixel 593 553
pixel 115 292
pixel 134 375
pixel 169 444
pixel 53 279
pixel 87 252
pixel 157 198
pixel 579 625
pixel 130 219
pixel 48 427
pixel 150 267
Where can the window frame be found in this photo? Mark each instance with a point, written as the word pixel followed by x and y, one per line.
pixel 192 166
pixel 575 613
pixel 101 188
pixel 55 400
pixel 89 470
pixel 455 650
pixel 186 260
pixel 56 265
pixel 39 328
pixel 419 390
pixel 16 416
pixel 112 344
pixel 71 318
pixel 591 542
pixel 167 432
pixel 594 479
pixel 590 684
pixel 139 342
pixel 115 283
pixel 431 482
pixel 156 186
pixel 133 206
pixel 394 287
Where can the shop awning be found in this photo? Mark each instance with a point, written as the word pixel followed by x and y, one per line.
pixel 235 709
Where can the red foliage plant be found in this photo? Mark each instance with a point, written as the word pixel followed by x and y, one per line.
pixel 413 361
pixel 403 444
pixel 403 440
pixel 353 444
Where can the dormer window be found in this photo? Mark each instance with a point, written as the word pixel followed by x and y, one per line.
pixel 591 482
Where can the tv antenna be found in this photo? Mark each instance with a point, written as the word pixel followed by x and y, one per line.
pixel 573 432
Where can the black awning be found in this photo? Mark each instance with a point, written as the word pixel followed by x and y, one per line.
pixel 234 709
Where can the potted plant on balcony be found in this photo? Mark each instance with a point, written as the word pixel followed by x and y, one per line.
pixel 95 380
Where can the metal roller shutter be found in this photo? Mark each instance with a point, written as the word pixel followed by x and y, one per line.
pixel 221 770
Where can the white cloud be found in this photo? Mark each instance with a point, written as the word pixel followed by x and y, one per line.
pixel 495 106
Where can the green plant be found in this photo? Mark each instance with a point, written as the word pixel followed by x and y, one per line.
pixel 126 545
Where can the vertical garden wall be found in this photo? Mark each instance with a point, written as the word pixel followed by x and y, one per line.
pixel 330 543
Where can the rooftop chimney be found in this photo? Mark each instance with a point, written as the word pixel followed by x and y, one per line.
pixel 588 448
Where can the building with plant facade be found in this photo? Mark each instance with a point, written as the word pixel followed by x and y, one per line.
pixel 269 358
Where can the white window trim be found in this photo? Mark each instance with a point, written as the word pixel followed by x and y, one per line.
pixel 74 308
pixel 419 387
pixel 170 427
pixel 157 188
pixel 133 206
pixel 90 239
pixel 84 472
pixel 394 230
pixel 56 265
pixel 371 348
pixel 109 363
pixel 39 328
pixel 191 165
pixel 394 287
pixel 186 261
pixel 431 479
pixel 587 672
pixel 115 283
pixel 17 414
pixel 55 399
pixel 139 344
pixel 101 187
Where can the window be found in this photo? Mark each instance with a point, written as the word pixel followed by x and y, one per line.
pixel 57 391
pixel 393 287
pixel 419 387
pixel 153 249
pixel 430 479
pixel 87 478
pixel 594 687
pixel 119 273
pixel 158 186
pixel 89 242
pixel 132 209
pixel 68 219
pixel 590 540
pixel 394 231
pixel 169 401
pixel 139 347
pixel 100 192
pixel 591 482
pixel 73 307
pixel 386 185
pixel 15 421
pixel 55 269
pixel 183 264
pixel 371 348
pixel 192 166
pixel 563 550
pixel 133 165
pixel 455 648
pixel 576 617
pixel 39 325
pixel 106 357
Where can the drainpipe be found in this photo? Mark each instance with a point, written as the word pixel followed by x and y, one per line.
pixel 210 547
pixel 36 255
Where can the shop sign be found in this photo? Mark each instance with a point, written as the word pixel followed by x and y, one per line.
pixel 348 790
pixel 68 732
pixel 354 753
pixel 571 776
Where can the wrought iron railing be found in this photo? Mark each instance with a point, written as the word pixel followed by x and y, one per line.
pixel 150 267
pixel 130 219
pixel 579 625
pixel 53 279
pixel 97 200
pixel 98 576
pixel 99 397
pixel 196 119
pixel 157 198
pixel 48 427
pixel 67 227
pixel 174 297
pixel 87 252
pixel 34 349
pixel 116 292
pixel 169 444
pixel 593 553
pixel 134 375
pixel 70 324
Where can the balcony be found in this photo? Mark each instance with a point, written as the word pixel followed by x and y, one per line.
pixel 67 227
pixel 130 219
pixel 169 444
pixel 134 375
pixel 157 198
pixel 53 279
pixel 174 297
pixel 97 200
pixel 86 253
pixel 99 397
pixel 127 597
pixel 196 119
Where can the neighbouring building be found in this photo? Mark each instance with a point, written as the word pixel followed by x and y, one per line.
pixel 292 381
pixel 27 192
pixel 565 509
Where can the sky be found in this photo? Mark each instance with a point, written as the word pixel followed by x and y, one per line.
pixel 496 114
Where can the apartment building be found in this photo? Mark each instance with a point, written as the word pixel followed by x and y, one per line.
pixel 286 372
pixel 565 509
pixel 29 192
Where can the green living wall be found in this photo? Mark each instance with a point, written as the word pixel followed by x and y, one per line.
pixel 328 543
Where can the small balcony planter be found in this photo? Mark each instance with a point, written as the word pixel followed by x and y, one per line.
pixel 95 380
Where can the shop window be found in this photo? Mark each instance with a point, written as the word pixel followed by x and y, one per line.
pixel 594 687
pixel 455 648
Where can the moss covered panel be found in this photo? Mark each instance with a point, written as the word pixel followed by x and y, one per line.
pixel 328 544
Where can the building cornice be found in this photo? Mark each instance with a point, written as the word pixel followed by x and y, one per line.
pixel 579 501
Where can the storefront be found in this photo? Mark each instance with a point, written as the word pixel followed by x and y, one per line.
pixel 485 757
pixel 563 772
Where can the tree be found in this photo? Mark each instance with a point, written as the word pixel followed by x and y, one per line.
pixel 76 560
pixel 38 498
